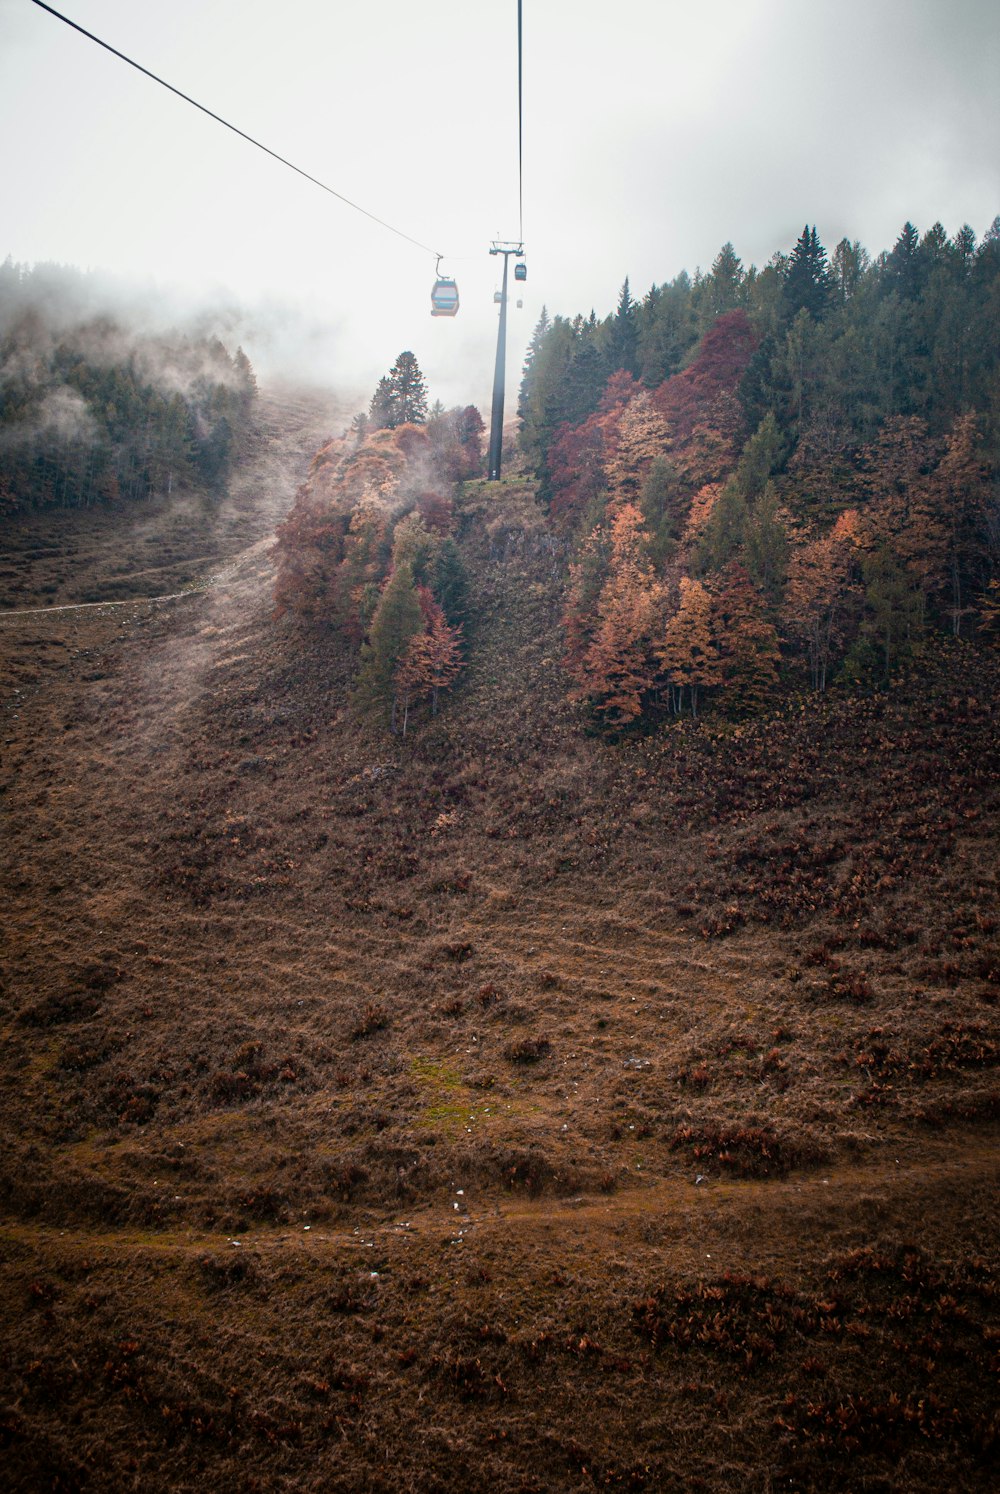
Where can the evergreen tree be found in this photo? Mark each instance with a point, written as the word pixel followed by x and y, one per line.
pixel 449 582
pixel 850 263
pixel 396 620
pixel 902 263
pixel 400 397
pixel 723 289
pixel 529 375
pixel 807 278
pixel 623 344
pixel 409 391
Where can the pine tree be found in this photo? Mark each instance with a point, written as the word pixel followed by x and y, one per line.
pixel 807 278
pixel 381 415
pixel 902 263
pixel 623 339
pixel 723 289
pixel 409 391
pixel 400 397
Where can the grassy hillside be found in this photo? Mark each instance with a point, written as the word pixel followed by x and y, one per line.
pixel 503 1107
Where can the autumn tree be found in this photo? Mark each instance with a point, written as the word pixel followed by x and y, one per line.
pixel 817 594
pixel 686 650
pixel 617 668
pixel 748 644
pixel 431 660
pixel 640 437
pixel 442 648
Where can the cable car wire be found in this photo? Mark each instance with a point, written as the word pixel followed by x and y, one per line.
pixel 520 129
pixel 242 133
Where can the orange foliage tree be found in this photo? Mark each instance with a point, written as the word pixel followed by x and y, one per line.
pixel 686 649
pixel 616 668
pixel 817 594
pixel 641 438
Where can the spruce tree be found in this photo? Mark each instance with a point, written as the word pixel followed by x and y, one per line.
pixel 401 396
pixel 807 278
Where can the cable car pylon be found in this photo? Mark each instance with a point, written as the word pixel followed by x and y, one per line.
pixel 506 248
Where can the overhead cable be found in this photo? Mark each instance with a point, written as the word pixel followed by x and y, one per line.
pixel 520 130
pixel 242 133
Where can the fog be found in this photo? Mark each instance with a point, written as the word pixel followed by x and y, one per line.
pixel 653 133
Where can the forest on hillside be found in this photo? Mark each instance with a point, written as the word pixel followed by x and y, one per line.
pixel 784 476
pixel 93 410
pixel 760 481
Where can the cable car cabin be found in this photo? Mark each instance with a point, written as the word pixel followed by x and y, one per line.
pixel 520 271
pixel 444 298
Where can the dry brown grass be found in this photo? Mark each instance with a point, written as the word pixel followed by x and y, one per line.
pixel 503 1108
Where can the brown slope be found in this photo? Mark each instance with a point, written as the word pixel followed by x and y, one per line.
pixel 266 967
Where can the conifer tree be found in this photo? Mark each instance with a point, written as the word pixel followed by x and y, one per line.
pixel 624 341
pixel 686 650
pixel 396 620
pixel 409 391
pixel 807 278
pixel 400 397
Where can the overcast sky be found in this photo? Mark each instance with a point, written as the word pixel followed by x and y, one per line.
pixel 653 132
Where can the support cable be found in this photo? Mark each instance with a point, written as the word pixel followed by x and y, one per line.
pixel 520 128
pixel 242 133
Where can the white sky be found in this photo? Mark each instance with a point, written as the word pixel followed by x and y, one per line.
pixel 653 132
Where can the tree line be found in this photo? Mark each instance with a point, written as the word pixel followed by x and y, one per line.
pixel 787 474
pixel 92 411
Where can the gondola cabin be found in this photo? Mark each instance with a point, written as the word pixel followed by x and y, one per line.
pixel 520 271
pixel 444 297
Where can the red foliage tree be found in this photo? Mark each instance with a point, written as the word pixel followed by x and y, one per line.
pixel 720 362
pixel 432 659
pixel 579 453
